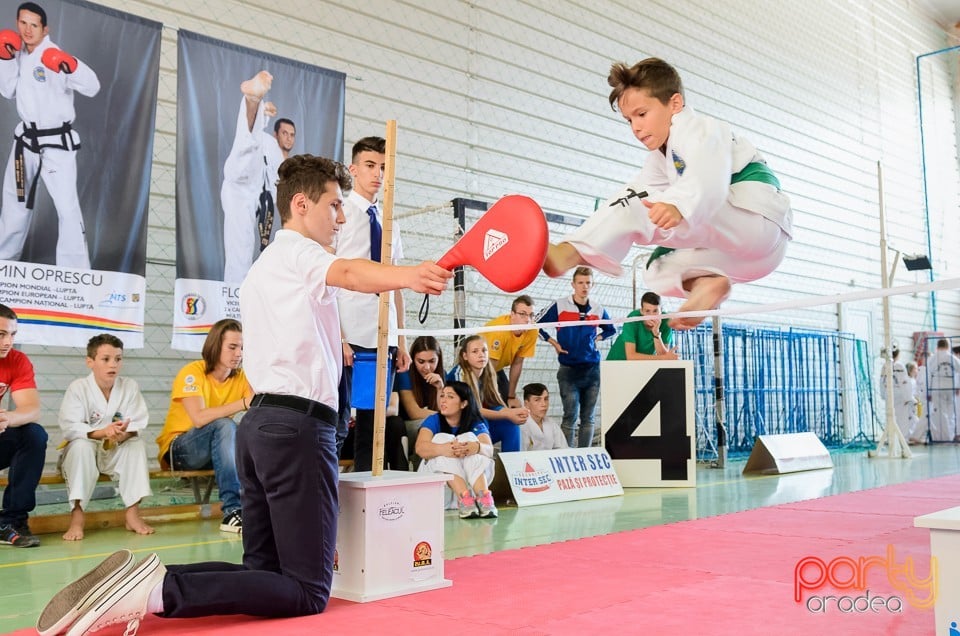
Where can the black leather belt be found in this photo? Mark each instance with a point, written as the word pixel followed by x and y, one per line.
pixel 309 408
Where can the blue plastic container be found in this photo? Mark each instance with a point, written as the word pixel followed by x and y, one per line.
pixel 365 379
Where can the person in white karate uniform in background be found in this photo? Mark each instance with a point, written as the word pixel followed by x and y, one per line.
pixel 904 405
pixel 43 79
pixel 539 432
pixel 944 372
pixel 101 417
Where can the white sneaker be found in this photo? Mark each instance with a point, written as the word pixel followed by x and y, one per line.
pixel 75 599
pixel 125 602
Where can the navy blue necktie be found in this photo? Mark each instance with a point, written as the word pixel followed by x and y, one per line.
pixel 376 234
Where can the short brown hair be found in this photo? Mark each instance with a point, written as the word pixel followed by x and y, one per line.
pixel 652 74
pixel 96 342
pixel 310 175
pixel 583 270
pixel 6 312
pixel 214 342
pixel 522 299
pixel 368 144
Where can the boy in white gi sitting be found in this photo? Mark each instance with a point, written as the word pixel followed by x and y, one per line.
pixel 539 432
pixel 101 416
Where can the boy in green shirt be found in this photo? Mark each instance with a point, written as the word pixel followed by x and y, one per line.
pixel 645 339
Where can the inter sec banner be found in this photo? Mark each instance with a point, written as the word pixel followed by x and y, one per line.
pixel 240 113
pixel 568 474
pixel 79 83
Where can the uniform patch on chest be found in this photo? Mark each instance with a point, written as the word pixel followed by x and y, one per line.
pixel 678 163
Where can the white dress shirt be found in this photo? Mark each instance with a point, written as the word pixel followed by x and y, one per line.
pixel 359 311
pixel 291 325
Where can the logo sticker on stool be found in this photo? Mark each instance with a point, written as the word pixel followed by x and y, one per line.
pixel 422 555
pixel 391 511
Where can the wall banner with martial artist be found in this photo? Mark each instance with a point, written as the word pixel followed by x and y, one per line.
pixel 79 83
pixel 240 113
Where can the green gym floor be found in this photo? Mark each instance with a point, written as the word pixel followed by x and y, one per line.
pixel 30 576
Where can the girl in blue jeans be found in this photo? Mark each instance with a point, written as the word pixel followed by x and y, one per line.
pixel 199 431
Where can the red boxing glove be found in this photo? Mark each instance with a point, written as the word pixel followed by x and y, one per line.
pixel 9 44
pixel 57 60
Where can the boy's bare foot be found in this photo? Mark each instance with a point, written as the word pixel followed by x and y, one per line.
pixel 560 258
pixel 706 292
pixel 257 86
pixel 135 523
pixel 75 531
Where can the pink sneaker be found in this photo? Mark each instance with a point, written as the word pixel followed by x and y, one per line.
pixel 468 506
pixel 485 505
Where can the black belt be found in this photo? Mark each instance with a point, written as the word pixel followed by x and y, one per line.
pixel 297 403
pixel 32 134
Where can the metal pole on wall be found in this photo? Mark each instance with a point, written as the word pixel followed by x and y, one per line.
pixel 718 416
pixel 923 175
pixel 891 435
pixel 459 280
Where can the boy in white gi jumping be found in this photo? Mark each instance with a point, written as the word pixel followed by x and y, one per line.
pixel 705 196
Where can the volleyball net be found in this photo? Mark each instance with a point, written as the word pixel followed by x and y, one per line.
pixel 776 379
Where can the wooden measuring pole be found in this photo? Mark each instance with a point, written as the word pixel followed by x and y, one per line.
pixel 383 316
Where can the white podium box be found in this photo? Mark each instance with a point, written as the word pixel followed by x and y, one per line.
pixel 389 535
pixel 945 548
pixel 648 423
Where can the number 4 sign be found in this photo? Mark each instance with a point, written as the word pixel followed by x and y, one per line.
pixel 647 421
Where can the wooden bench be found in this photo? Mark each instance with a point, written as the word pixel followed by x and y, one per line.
pixel 200 509
pixel 197 479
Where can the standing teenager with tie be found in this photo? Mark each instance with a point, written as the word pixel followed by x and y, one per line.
pixel 360 237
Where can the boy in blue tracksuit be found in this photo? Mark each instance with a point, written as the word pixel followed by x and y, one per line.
pixel 576 345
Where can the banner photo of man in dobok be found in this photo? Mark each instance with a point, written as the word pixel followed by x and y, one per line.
pixel 77 121
pixel 241 112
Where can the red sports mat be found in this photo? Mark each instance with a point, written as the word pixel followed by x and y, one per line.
pixel 730 574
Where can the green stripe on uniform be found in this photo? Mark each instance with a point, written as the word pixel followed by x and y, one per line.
pixel 657 253
pixel 756 171
pixel 753 171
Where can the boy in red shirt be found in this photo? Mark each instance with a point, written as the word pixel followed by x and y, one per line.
pixel 23 442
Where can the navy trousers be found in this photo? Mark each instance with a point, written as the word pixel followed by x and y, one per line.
pixel 23 449
pixel 287 463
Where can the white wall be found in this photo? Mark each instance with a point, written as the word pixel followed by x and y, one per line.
pixel 503 96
